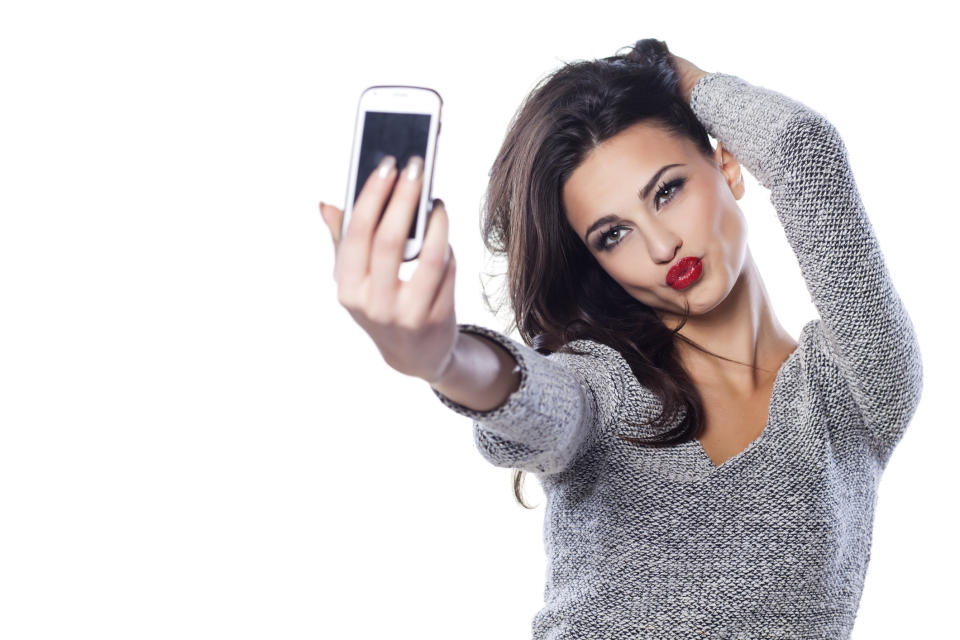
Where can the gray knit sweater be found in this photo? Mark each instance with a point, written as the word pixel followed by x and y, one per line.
pixel 775 542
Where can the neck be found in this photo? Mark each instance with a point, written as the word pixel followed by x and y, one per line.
pixel 742 328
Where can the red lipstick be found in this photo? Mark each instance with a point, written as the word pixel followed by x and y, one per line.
pixel 685 272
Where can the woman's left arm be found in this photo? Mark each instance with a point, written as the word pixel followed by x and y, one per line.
pixel 799 156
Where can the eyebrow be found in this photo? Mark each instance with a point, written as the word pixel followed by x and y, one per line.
pixel 642 194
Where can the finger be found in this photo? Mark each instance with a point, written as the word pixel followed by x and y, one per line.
pixel 353 259
pixel 391 236
pixel 416 295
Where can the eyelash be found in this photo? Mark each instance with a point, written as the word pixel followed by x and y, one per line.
pixel 601 243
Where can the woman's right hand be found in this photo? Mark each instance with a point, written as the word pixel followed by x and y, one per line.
pixel 413 323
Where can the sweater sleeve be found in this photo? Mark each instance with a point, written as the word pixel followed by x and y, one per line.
pixel 554 415
pixel 799 156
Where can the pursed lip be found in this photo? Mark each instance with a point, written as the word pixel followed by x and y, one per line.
pixel 681 267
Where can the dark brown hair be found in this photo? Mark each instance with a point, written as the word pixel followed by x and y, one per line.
pixel 558 291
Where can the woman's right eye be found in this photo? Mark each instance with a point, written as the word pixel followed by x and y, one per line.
pixel 671 187
pixel 602 238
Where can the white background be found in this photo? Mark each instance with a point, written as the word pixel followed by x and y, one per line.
pixel 197 441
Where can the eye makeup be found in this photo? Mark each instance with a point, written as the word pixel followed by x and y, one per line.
pixel 669 186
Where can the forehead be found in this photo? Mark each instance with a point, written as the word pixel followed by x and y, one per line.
pixel 612 173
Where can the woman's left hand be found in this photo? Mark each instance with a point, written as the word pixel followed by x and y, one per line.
pixel 687 74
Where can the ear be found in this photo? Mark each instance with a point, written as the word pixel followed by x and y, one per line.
pixel 730 169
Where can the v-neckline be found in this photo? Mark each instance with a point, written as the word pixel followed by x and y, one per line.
pixel 764 433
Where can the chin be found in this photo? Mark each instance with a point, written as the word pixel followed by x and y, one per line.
pixel 701 298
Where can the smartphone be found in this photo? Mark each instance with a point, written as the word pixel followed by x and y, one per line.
pixel 402 121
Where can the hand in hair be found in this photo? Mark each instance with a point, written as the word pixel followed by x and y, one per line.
pixel 653 52
pixel 687 75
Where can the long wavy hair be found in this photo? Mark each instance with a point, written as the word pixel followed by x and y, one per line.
pixel 558 292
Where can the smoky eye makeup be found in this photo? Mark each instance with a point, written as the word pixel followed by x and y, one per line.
pixel 600 239
pixel 667 188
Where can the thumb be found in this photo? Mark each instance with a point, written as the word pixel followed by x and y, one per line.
pixel 331 217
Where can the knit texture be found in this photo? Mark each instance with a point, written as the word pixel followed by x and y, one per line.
pixel 774 542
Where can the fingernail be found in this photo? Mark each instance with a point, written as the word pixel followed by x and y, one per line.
pixel 414 165
pixel 385 165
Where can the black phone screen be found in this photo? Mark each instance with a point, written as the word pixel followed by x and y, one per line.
pixel 401 135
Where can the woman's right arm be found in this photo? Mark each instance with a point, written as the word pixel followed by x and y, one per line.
pixel 481 374
pixel 544 410
pixel 539 422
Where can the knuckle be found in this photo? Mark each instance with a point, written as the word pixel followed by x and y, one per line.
pixel 347 301
pixel 379 317
pixel 360 223
pixel 410 323
pixel 389 242
pixel 432 260
pixel 369 203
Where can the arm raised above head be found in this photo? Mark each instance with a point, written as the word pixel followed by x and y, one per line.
pixel 800 157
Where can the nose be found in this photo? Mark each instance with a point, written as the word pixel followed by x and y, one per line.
pixel 662 242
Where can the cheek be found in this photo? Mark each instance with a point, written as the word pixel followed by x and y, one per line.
pixel 731 225
pixel 704 217
pixel 715 225
pixel 730 239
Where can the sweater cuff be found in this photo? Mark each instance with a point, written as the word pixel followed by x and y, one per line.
pixel 520 352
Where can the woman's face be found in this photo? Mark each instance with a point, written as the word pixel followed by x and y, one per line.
pixel 660 218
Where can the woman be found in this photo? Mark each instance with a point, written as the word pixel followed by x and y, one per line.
pixel 706 473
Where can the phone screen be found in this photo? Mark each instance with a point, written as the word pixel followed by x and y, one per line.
pixel 401 135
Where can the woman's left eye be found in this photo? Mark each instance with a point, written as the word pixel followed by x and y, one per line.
pixel 669 187
pixel 672 187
